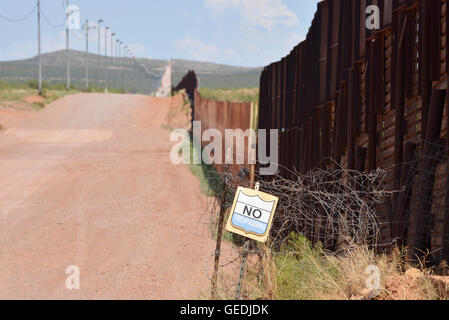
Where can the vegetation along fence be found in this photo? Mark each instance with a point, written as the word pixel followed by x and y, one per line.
pixel 366 99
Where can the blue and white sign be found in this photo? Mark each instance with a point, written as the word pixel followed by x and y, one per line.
pixel 252 214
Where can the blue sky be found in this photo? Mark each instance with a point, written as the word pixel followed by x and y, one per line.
pixel 235 32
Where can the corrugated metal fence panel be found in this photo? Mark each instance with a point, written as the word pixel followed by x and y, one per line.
pixel 222 116
pixel 357 95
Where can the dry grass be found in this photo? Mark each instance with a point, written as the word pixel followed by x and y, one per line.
pixel 27 95
pixel 395 282
pixel 179 115
pixel 304 272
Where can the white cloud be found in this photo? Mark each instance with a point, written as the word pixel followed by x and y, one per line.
pixel 198 50
pixel 267 14
pixel 251 50
pixel 53 42
pixel 26 49
pixel 261 48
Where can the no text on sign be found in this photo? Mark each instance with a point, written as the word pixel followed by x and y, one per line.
pixel 252 214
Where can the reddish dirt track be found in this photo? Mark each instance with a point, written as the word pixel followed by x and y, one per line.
pixel 88 182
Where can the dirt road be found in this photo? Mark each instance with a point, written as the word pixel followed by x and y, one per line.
pixel 88 182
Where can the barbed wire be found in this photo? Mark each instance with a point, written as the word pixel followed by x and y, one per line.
pixel 341 208
pixel 336 209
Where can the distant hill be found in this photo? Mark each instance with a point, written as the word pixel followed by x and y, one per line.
pixel 217 76
pixel 143 76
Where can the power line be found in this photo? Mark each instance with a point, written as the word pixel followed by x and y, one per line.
pixel 20 19
pixel 126 58
pixel 57 26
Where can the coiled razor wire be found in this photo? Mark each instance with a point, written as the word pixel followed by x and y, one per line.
pixel 331 207
pixel 336 208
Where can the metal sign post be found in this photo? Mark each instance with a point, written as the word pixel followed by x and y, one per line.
pixel 244 257
pixel 242 269
pixel 219 235
pixel 221 219
pixel 251 217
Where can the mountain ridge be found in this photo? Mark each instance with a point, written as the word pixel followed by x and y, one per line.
pixel 144 74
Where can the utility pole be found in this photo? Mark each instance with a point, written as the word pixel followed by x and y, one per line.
pixel 121 71
pixel 120 54
pixel 117 41
pixel 127 55
pixel 87 52
pixel 135 73
pixel 131 69
pixel 99 51
pixel 112 60
pixel 39 85
pixel 67 35
pixel 125 75
pixel 117 58
pixel 106 59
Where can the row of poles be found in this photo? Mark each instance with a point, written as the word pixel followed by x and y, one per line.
pixel 121 51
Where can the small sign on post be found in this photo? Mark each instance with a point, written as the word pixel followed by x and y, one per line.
pixel 252 214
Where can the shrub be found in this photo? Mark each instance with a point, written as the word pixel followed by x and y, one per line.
pixel 33 84
pixel 38 105
pixel 232 95
pixel 11 85
pixel 304 271
pixel 301 271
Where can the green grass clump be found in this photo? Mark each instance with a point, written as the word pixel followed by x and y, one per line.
pixel 231 95
pixel 12 85
pixel 39 105
pixel 13 94
pixel 12 91
pixel 306 273
pixel 33 84
pixel 211 186
pixel 210 180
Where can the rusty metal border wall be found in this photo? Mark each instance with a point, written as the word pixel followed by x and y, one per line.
pixel 222 116
pixel 358 97
pixel 189 83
